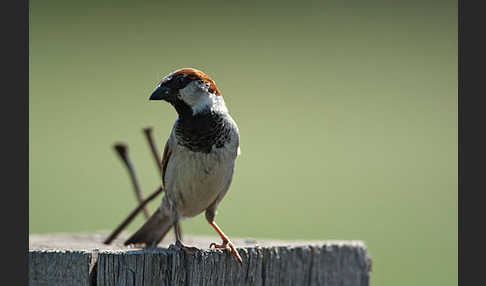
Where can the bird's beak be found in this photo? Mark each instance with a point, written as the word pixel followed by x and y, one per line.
pixel 161 93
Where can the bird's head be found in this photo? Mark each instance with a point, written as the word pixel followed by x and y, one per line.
pixel 189 90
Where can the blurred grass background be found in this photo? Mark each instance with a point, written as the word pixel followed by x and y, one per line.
pixel 347 112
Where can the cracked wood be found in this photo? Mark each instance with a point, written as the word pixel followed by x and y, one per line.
pixel 82 259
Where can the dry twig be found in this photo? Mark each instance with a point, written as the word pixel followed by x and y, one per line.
pixel 153 148
pixel 122 151
pixel 132 215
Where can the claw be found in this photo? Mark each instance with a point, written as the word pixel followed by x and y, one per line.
pixel 228 245
pixel 219 246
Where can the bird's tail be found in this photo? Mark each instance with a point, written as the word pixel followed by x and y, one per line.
pixel 153 231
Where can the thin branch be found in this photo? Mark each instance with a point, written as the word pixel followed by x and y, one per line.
pixel 132 215
pixel 153 148
pixel 122 151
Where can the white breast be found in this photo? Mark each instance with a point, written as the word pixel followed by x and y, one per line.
pixel 194 180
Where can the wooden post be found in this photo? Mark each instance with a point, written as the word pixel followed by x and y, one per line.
pixel 82 259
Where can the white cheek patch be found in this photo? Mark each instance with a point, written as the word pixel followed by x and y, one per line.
pixel 211 101
pixel 202 104
pixel 190 94
pixel 199 98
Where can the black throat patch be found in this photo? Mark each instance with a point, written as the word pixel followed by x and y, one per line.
pixel 202 131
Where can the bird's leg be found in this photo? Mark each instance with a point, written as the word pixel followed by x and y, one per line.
pixel 177 231
pixel 227 244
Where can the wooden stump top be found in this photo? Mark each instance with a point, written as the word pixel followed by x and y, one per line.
pixel 82 259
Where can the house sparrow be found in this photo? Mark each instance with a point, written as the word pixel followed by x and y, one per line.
pixel 198 159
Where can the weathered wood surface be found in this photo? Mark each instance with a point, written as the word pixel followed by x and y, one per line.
pixel 82 259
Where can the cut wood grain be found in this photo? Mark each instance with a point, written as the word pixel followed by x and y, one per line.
pixel 82 259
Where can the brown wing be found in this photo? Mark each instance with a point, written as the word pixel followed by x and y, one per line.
pixel 165 160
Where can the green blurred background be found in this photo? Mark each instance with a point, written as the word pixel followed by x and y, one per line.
pixel 347 112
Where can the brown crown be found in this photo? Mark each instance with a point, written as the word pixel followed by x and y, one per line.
pixel 197 74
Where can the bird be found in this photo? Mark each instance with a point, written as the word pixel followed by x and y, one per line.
pixel 198 160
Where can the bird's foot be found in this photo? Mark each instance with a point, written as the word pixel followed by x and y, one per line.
pixel 230 246
pixel 187 249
